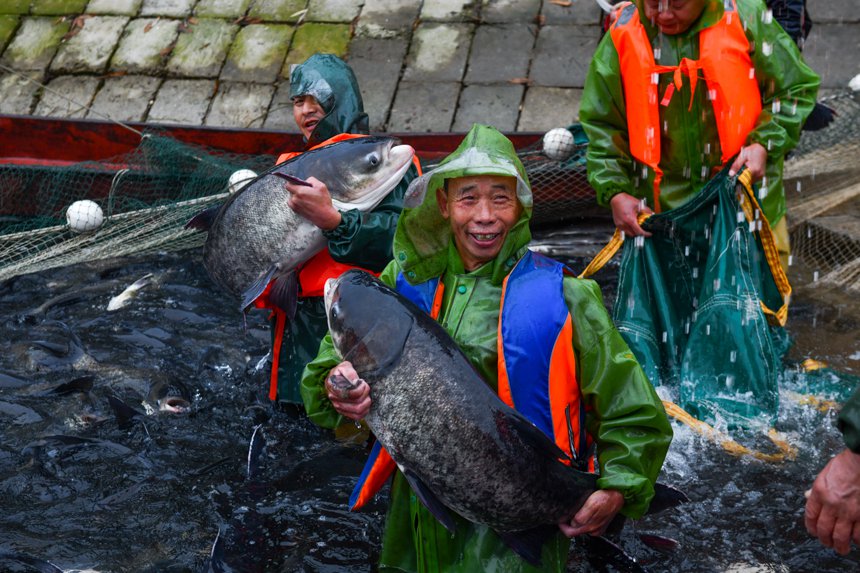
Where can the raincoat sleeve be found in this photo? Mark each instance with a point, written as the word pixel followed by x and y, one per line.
pixel 603 115
pixel 624 415
pixel 849 422
pixel 364 239
pixel 788 86
pixel 317 405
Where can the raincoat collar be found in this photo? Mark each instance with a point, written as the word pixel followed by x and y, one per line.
pixel 331 81
pixel 423 244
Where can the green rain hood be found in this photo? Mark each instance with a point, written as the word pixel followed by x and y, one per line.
pixel 331 82
pixel 422 239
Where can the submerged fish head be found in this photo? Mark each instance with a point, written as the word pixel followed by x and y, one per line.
pixel 367 323
pixel 360 172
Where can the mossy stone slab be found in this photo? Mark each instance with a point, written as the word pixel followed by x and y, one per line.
pixel 314 37
pixel 58 7
pixel 277 10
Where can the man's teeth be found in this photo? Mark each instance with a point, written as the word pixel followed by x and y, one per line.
pixel 485 236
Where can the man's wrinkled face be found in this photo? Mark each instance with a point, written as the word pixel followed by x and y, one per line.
pixel 481 210
pixel 673 16
pixel 307 112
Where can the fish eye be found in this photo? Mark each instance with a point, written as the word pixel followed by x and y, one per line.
pixel 373 159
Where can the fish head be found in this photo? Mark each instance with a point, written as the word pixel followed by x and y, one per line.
pixel 367 320
pixel 361 172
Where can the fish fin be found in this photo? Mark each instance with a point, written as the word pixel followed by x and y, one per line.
pixel 257 288
pixel 528 544
pixel 820 117
pixel 430 501
pixel 203 220
pixel 123 412
pixel 664 545
pixel 666 496
pixel 602 551
pixel 285 293
pixel 80 384
pixel 258 442
pixel 530 434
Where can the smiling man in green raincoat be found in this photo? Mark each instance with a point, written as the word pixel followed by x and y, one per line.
pixel 467 240
pixel 327 108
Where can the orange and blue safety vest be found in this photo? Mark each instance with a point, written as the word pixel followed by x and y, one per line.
pixel 537 365
pixel 724 59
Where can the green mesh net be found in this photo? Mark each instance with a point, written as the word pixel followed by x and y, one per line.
pixel 132 204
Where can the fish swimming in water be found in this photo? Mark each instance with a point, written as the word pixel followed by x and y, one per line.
pixel 459 446
pixel 131 291
pixel 255 237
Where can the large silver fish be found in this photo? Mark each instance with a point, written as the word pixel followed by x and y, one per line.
pixel 255 237
pixel 458 445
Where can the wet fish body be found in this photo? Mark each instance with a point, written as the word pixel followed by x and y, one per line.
pixel 459 446
pixel 256 237
pixel 130 292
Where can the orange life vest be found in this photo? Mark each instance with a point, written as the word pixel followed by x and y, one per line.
pixel 724 58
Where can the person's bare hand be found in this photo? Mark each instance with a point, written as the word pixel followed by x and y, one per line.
pixel 595 514
pixel 349 394
pixel 754 158
pixel 625 214
pixel 314 203
pixel 833 504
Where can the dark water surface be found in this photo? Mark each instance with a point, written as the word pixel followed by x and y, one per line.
pixel 89 490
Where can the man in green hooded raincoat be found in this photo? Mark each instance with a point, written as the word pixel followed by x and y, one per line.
pixel 469 232
pixel 689 149
pixel 327 108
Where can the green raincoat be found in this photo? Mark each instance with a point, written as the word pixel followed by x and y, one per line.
pixel 627 419
pixel 690 144
pixel 849 422
pixel 361 239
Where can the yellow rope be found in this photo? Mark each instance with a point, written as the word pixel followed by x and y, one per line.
pixel 750 208
pixel 786 451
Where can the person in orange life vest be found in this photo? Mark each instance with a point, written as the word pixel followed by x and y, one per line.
pixel 327 108
pixel 731 89
pixel 466 246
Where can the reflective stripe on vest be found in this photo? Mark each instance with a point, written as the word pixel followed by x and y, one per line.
pixel 537 367
pixel 729 75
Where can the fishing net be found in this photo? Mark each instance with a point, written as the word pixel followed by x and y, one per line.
pixel 822 191
pixel 133 204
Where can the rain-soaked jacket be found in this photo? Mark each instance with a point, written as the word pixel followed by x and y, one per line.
pixel 361 239
pixel 690 145
pixel 849 422
pixel 624 417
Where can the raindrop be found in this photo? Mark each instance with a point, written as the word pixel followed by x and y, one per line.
pixel 733 356
pixel 730 381
pixel 657 52
pixel 707 148
pixel 687 327
pixel 776 106
pixel 815 277
pixel 695 272
pixel 762 192
pixel 798 186
pixel 790 260
pixel 741 216
pixel 707 330
pixel 809 232
pixel 639 241
pixel 716 284
pixel 665 336
pixel 704 171
pixel 687 251
pixel 767 16
pixel 766 49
